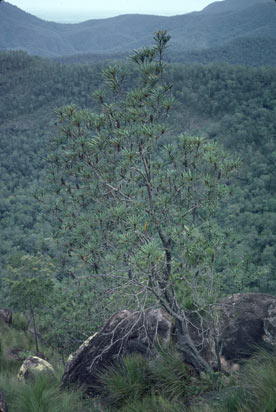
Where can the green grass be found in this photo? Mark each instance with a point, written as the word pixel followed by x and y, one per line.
pixel 152 384
pixel 155 404
pixel 126 381
pixel 172 377
pixel 163 383
pixel 41 394
pixel 255 388
pixel 259 379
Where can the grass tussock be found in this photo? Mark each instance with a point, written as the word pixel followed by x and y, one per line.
pixel 255 388
pixel 259 385
pixel 166 383
pixel 155 404
pixel 41 394
pixel 162 383
pixel 136 382
pixel 127 381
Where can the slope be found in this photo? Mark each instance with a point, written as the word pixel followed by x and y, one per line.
pixel 217 25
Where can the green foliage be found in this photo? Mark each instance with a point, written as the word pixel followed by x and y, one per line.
pixel 31 89
pixel 247 51
pixel 130 205
pixel 75 310
pixel 239 113
pixel 136 382
pixel 13 337
pixel 43 393
pixel 254 389
pixel 19 321
pixel 259 383
pixel 127 381
pixel 30 282
pixel 172 377
pixel 30 285
pixel 229 104
pixel 155 403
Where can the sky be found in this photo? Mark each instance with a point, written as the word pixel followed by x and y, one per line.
pixel 81 10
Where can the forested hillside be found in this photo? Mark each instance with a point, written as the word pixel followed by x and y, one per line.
pixel 233 105
pixel 138 210
pixel 225 31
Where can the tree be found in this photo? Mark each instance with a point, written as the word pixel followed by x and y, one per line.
pixel 135 211
pixel 30 285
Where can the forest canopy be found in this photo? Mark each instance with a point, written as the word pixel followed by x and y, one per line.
pixel 233 106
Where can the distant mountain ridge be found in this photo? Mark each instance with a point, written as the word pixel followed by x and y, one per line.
pixel 230 5
pixel 218 25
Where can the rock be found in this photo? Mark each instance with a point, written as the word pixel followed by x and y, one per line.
pixel 6 315
pixel 41 355
pixel 15 354
pixel 20 354
pixel 248 322
pixel 199 331
pixel 34 364
pixel 125 332
pixel 3 405
pixel 81 348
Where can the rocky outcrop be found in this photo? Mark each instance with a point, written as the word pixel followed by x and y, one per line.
pixel 6 315
pixel 3 405
pixel 33 365
pixel 248 322
pixel 125 332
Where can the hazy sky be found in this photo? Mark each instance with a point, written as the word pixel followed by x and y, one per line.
pixel 80 10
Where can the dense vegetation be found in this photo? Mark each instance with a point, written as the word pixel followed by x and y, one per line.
pixel 234 105
pixel 230 106
pixel 164 383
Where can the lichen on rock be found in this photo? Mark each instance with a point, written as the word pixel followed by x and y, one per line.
pixel 32 365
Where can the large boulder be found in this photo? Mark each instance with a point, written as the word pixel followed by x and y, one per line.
pixel 3 405
pixel 125 332
pixel 248 322
pixel 6 315
pixel 33 365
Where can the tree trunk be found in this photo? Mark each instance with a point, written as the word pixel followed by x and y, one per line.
pixel 3 405
pixel 187 347
pixel 35 332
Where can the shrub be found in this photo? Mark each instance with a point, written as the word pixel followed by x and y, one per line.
pixel 19 321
